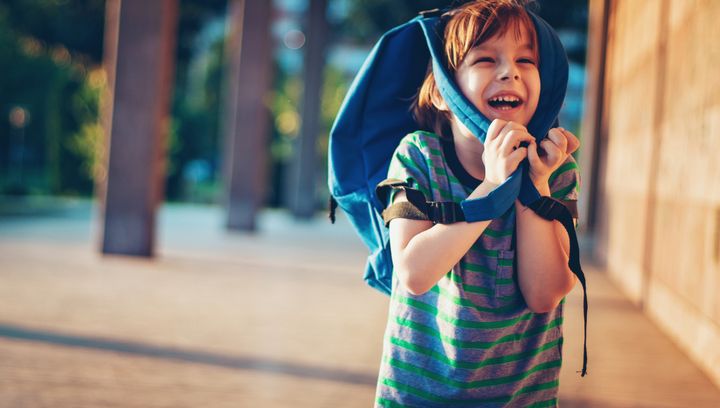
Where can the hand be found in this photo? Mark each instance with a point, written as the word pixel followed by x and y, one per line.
pixel 502 151
pixel 553 152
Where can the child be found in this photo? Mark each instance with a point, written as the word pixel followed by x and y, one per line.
pixel 476 309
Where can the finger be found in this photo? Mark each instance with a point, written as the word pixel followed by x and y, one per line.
pixel 533 156
pixel 513 139
pixel 509 127
pixel 573 141
pixel 558 138
pixel 552 152
pixel 494 129
pixel 517 156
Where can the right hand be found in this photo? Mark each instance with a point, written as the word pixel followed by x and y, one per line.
pixel 502 151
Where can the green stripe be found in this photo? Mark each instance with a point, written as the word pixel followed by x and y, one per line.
pixel 504 399
pixel 387 403
pixel 473 267
pixel 562 169
pixel 481 290
pixel 544 404
pixel 434 151
pixel 539 387
pixel 472 365
pixel 465 302
pixel 505 262
pixel 563 192
pixel 444 194
pixel 504 281
pixel 471 288
pixel 408 162
pixel 487 252
pixel 412 390
pixel 497 234
pixel 454 180
pixel 422 141
pixel 461 322
pixel 404 173
pixel 477 383
pixel 475 344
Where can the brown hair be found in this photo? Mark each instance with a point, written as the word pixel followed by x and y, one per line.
pixel 468 26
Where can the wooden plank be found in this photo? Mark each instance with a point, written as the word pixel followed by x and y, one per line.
pixel 590 159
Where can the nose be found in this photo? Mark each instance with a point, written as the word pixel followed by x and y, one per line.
pixel 507 71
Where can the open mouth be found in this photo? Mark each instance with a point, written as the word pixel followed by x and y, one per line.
pixel 505 102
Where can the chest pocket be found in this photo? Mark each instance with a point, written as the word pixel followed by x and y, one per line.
pixel 506 286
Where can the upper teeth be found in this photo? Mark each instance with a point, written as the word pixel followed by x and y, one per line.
pixel 504 98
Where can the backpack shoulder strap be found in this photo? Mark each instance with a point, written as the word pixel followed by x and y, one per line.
pixel 553 209
pixel 416 207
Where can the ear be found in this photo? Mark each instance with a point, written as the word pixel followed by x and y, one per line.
pixel 437 100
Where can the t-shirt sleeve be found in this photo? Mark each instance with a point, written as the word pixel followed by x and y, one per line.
pixel 409 165
pixel 565 184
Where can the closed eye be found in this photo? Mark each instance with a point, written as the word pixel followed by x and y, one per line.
pixel 483 59
pixel 526 61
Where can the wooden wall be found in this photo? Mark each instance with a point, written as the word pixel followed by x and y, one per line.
pixel 659 232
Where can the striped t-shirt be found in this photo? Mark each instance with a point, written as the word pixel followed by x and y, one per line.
pixel 470 341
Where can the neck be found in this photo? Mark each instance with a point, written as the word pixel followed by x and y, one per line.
pixel 469 150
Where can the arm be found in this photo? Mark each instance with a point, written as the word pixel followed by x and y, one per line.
pixel 543 249
pixel 422 252
pixel 543 246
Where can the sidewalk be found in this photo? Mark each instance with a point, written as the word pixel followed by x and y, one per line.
pixel 280 318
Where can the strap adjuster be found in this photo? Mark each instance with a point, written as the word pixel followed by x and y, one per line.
pixel 548 208
pixel 441 212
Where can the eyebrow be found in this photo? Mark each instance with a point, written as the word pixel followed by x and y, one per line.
pixel 526 46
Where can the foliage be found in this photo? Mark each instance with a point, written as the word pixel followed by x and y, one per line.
pixel 88 142
pixel 39 78
pixel 51 51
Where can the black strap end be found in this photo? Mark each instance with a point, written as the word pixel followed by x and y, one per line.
pixel 332 206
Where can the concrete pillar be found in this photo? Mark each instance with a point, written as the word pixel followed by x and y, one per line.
pixel 301 179
pixel 246 116
pixel 141 63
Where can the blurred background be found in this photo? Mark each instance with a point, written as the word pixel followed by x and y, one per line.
pixel 163 178
pixel 53 78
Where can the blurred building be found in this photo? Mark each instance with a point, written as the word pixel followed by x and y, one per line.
pixel 652 138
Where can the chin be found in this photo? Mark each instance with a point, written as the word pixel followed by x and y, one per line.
pixel 507 117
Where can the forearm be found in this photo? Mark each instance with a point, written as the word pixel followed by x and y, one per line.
pixel 434 252
pixel 542 254
pixel 423 259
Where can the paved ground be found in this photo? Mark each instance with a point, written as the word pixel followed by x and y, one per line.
pixel 279 318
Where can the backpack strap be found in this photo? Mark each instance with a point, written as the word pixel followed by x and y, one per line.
pixel 552 209
pixel 416 207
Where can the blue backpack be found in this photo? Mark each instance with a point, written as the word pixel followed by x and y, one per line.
pixel 377 113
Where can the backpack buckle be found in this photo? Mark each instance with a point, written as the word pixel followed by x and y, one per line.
pixel 444 212
pixel 549 208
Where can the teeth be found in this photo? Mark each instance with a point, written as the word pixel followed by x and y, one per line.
pixel 505 98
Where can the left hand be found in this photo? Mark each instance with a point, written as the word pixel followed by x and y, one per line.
pixel 554 150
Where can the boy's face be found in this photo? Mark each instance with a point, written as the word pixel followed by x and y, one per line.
pixel 501 78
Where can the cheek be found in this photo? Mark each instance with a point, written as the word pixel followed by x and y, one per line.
pixel 472 86
pixel 533 87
